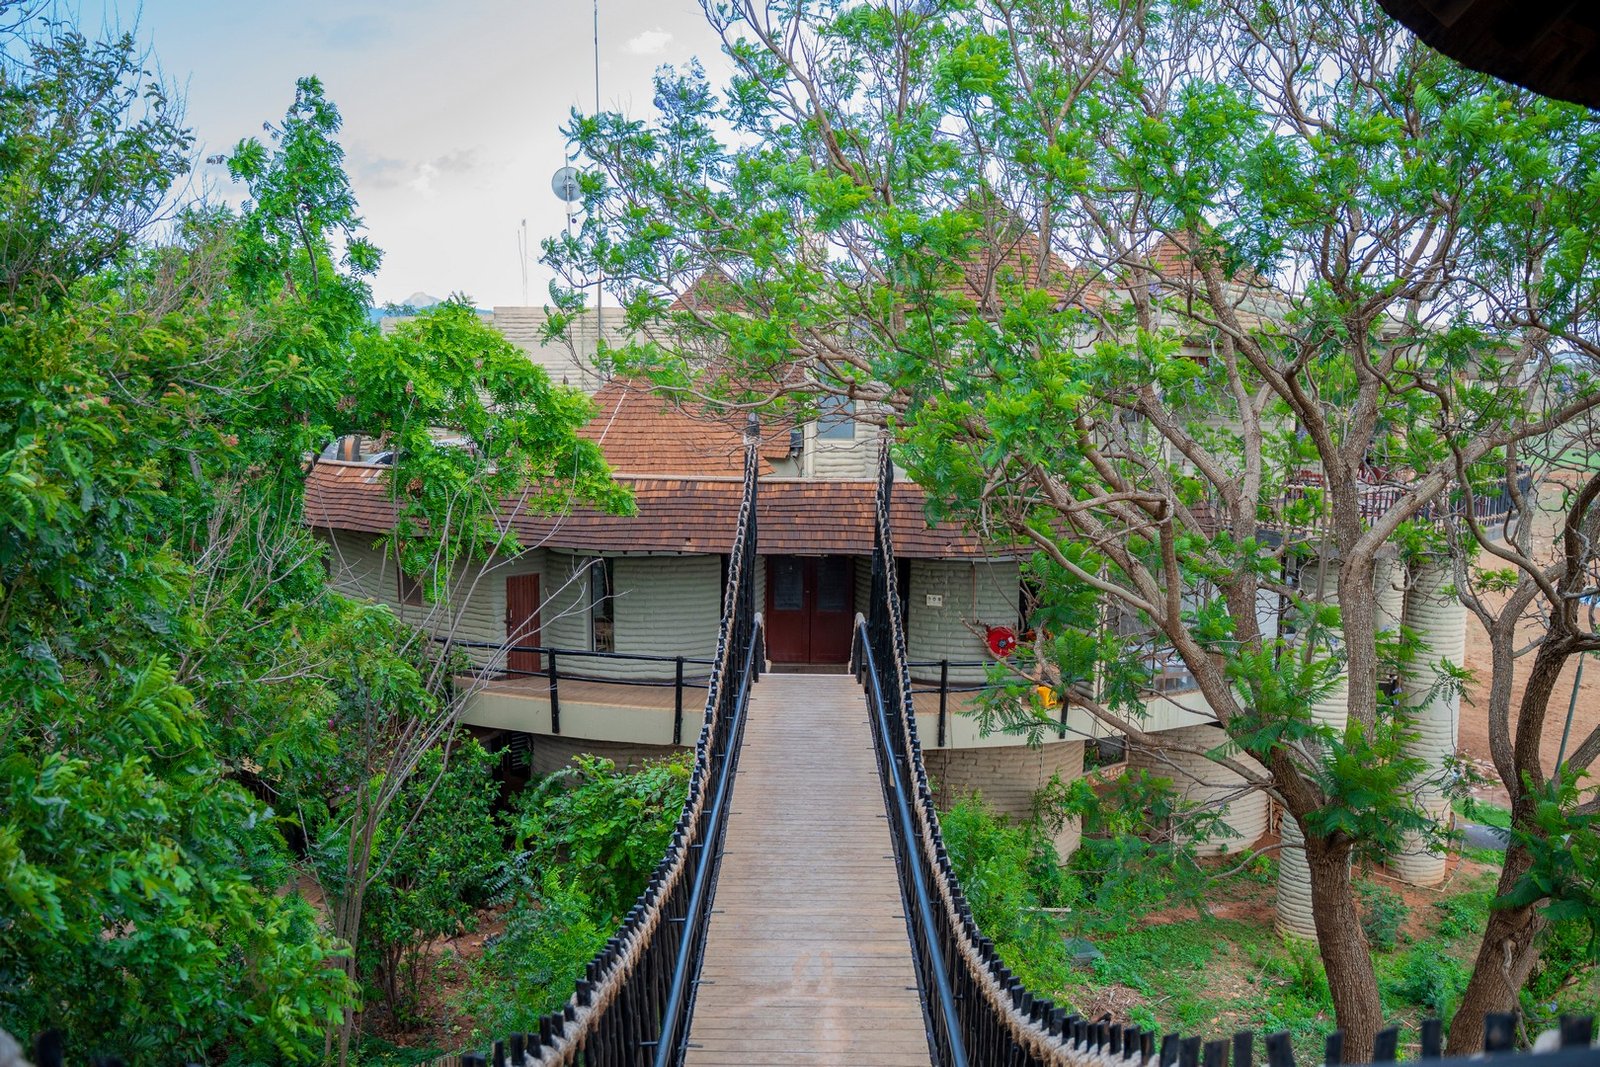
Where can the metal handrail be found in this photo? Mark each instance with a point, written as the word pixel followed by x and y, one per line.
pixel 642 657
pixel 921 903
pixel 696 916
pixel 629 1006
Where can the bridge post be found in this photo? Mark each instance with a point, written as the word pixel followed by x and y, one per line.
pixel 677 705
pixel 555 696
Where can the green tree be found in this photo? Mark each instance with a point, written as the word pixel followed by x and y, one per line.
pixel 168 632
pixel 447 845
pixel 1164 290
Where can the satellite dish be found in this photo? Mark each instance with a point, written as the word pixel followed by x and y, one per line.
pixel 565 184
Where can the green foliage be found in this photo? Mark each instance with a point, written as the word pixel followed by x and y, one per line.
pixel 1462 915
pixel 1566 961
pixel 1008 873
pixel 437 849
pixel 588 838
pixel 552 932
pixel 1383 914
pixel 168 632
pixel 89 142
pixel 1426 978
pixel 1563 843
pixel 608 828
pixel 1299 966
pixel 1138 850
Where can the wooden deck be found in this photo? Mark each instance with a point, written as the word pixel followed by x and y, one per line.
pixel 807 958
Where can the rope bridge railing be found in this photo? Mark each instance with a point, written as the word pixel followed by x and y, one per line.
pixel 975 1009
pixel 632 1006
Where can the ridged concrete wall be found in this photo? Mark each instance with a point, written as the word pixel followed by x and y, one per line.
pixel 852 459
pixel 1390 585
pixel 1333 708
pixel 1439 618
pixel 1200 781
pixel 1295 916
pixel 477 611
pixel 980 594
pixel 572 365
pixel 1007 778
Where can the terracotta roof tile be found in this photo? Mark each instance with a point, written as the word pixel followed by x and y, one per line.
pixel 688 515
pixel 641 432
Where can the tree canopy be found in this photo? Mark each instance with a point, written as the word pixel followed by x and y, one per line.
pixel 1187 299
pixel 171 645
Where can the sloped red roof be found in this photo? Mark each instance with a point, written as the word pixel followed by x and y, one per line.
pixel 687 515
pixel 641 432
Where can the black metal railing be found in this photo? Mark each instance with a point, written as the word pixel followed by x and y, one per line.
pixel 550 659
pixel 1017 677
pixel 633 1005
pixel 975 1009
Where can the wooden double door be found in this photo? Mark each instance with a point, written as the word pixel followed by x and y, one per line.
pixel 810 608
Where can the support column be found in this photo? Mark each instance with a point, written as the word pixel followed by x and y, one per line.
pixel 1439 619
pixel 1331 710
pixel 1205 784
pixel 1295 916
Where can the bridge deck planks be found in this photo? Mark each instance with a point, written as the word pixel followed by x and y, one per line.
pixel 807 960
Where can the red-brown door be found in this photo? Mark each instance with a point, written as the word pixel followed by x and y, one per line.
pixel 810 601
pixel 832 608
pixel 522 620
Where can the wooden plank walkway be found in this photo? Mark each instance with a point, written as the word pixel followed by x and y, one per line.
pixel 807 959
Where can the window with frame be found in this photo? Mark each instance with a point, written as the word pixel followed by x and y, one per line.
pixel 602 605
pixel 407 589
pixel 836 419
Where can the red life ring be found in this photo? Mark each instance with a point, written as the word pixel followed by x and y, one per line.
pixel 1002 641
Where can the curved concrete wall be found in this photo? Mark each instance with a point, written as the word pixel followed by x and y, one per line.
pixel 1389 582
pixel 1206 784
pixel 1439 619
pixel 1295 915
pixel 1333 708
pixel 1006 777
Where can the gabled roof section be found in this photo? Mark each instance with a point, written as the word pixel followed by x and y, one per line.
pixel 677 515
pixel 712 291
pixel 1013 254
pixel 642 432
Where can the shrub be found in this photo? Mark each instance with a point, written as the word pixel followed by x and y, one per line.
pixel 434 852
pixel 529 971
pixel 1428 979
pixel 1301 968
pixel 1567 953
pixel 607 827
pixel 1383 914
pixel 1008 872
pixel 1463 915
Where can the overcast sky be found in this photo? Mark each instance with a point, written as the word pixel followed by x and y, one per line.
pixel 451 111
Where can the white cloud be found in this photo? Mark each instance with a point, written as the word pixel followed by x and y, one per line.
pixel 423 181
pixel 649 43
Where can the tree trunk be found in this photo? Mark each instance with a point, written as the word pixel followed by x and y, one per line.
pixel 1343 945
pixel 1505 957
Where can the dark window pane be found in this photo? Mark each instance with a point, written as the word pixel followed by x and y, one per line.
pixel 836 419
pixel 833 584
pixel 788 584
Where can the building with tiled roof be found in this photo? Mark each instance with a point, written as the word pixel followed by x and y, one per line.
pixel 590 601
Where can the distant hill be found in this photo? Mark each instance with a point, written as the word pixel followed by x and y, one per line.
pixel 414 304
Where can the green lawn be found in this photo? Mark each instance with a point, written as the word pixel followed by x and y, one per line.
pixel 1213 976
